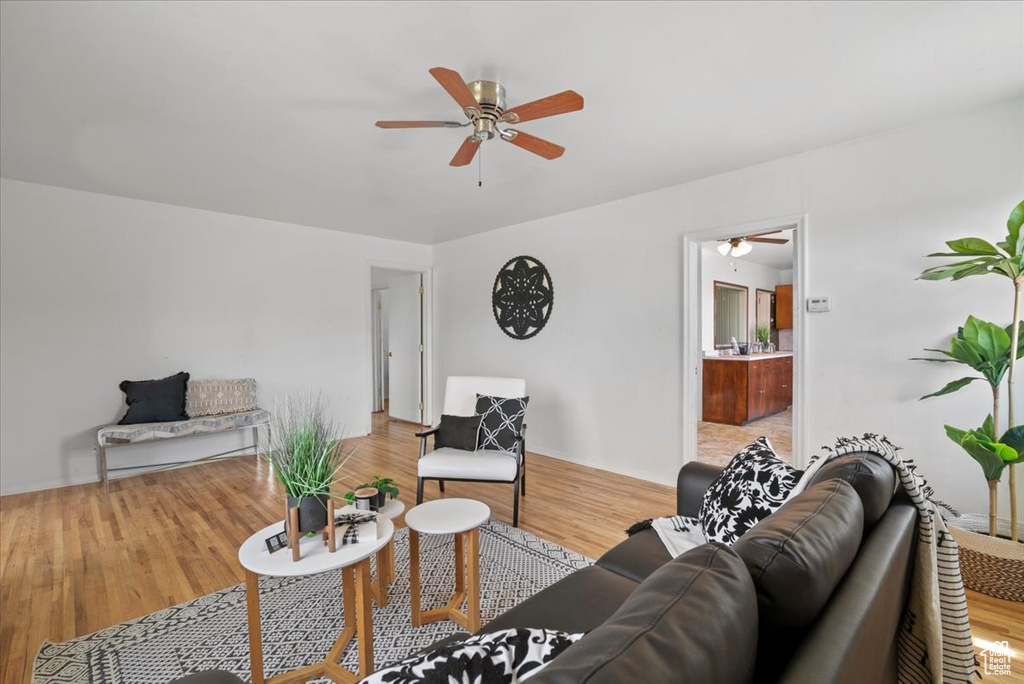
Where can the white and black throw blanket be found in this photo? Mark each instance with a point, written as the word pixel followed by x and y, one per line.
pixel 504 657
pixel 935 639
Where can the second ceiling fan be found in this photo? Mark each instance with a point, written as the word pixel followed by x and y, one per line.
pixel 738 246
pixel 483 104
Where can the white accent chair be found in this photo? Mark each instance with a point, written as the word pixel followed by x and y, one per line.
pixel 484 465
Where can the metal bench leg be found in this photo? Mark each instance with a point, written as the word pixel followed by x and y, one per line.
pixel 103 470
pixel 256 441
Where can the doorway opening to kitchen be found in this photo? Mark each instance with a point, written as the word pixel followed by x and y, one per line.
pixel 743 327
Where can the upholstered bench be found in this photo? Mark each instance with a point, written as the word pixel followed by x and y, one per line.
pixel 212 405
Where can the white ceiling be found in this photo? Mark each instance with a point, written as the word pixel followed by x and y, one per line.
pixel 266 109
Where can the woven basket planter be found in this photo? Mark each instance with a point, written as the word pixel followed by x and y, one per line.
pixel 991 566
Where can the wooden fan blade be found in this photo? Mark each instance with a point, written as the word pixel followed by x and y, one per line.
pixel 538 146
pixel 466 152
pixel 774 241
pixel 418 124
pixel 562 103
pixel 454 84
pixel 770 232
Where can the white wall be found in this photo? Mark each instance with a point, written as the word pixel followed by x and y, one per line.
pixel 736 271
pixel 96 289
pixel 605 374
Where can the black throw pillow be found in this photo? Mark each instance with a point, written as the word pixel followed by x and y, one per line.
pixel 457 432
pixel 155 401
pixel 502 421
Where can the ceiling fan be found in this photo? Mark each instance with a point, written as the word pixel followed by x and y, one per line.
pixel 738 246
pixel 483 104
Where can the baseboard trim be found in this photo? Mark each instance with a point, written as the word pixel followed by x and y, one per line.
pixel 628 472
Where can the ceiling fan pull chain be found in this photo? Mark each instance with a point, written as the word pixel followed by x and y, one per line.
pixel 480 168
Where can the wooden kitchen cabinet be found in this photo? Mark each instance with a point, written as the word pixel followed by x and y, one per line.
pixel 784 307
pixel 740 389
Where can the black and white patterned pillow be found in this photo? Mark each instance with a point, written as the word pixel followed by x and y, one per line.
pixel 502 421
pixel 753 486
pixel 504 657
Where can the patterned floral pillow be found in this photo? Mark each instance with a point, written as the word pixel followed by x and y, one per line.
pixel 502 421
pixel 505 657
pixel 753 486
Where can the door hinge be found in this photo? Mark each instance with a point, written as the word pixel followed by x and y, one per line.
pixel 421 406
pixel 421 289
pixel 421 349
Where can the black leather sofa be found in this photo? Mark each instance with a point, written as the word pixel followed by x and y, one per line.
pixel 813 594
pixel 834 622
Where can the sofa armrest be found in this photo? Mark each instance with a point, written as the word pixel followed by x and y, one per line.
pixel 694 479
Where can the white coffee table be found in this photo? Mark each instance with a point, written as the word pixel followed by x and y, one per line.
pixel 386 556
pixel 461 517
pixel 354 562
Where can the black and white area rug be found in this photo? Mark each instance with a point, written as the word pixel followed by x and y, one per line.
pixel 302 616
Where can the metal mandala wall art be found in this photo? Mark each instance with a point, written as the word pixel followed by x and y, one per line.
pixel 523 297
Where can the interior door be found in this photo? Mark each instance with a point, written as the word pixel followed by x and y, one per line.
pixel 405 348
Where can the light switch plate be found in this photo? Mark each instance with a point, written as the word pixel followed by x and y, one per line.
pixel 819 304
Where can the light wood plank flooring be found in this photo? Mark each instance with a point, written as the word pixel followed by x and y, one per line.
pixel 73 560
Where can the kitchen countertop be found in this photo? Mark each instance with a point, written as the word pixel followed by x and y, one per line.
pixel 752 357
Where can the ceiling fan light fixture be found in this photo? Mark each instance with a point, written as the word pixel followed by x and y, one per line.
pixel 742 249
pixel 724 248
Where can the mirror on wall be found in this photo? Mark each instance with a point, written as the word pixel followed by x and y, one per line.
pixel 765 309
pixel 730 314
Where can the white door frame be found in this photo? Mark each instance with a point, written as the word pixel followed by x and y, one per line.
pixel 428 337
pixel 692 351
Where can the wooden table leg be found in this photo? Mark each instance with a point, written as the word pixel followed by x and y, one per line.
pixel 414 576
pixel 473 580
pixel 381 589
pixel 391 560
pixel 364 618
pixel 460 562
pixel 252 600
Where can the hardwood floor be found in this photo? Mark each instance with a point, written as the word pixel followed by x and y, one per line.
pixel 73 560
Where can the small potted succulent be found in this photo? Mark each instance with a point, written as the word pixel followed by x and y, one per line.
pixel 385 487
pixel 306 454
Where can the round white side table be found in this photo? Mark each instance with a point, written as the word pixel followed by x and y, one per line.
pixel 386 556
pixel 354 562
pixel 461 517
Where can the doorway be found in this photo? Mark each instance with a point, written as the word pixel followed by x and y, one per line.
pixel 398 344
pixel 742 333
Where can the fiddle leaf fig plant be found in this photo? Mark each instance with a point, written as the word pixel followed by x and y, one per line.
pixel 984 347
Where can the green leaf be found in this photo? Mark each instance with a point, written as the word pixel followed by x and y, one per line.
pixel 991 464
pixel 950 270
pixel 991 340
pixel 1006 454
pixel 1015 237
pixel 972 246
pixel 955 434
pixel 987 428
pixel 950 388
pixel 966 353
pixel 1014 438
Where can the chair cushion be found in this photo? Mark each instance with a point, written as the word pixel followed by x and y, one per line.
pixel 502 422
pixel 577 603
pixel 797 557
pixel 636 557
pixel 693 620
pixel 752 487
pixel 455 464
pixel 458 432
pixel 872 477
